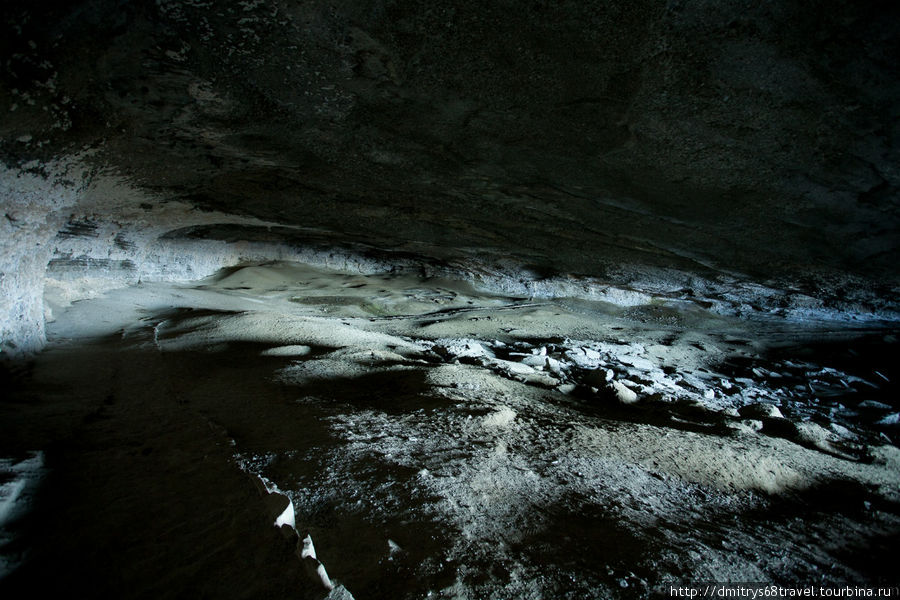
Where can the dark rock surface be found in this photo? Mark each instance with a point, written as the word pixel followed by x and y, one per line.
pixel 755 139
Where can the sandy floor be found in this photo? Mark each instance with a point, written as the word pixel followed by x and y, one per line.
pixel 437 441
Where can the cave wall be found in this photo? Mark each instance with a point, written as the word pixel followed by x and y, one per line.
pixel 33 208
pixel 69 235
pixel 650 146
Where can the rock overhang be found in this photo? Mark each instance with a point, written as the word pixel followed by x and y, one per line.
pixel 729 142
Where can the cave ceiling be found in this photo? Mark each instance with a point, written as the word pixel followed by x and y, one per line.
pixel 742 138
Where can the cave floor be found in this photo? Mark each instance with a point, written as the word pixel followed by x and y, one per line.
pixel 437 441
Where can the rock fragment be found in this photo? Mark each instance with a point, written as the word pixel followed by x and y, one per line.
pixel 624 394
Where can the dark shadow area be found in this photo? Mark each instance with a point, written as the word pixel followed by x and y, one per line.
pixel 394 392
pixel 587 548
pixel 142 498
pixel 849 377
pixel 285 429
pixel 859 548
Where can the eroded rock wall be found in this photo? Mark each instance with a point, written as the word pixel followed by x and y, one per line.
pixel 34 209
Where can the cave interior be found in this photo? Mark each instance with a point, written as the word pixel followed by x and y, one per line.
pixel 382 299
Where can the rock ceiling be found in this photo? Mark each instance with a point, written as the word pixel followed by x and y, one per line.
pixel 740 139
